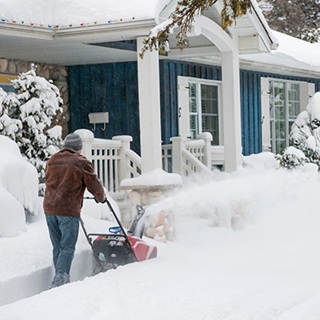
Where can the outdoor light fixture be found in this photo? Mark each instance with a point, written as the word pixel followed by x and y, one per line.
pixel 99 117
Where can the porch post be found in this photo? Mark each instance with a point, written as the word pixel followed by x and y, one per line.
pixel 149 109
pixel 231 110
pixel 229 48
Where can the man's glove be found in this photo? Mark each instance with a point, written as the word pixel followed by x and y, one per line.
pixel 104 201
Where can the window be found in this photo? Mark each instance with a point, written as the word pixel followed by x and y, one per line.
pixel 199 108
pixel 6 84
pixel 7 87
pixel 284 108
pixel 282 101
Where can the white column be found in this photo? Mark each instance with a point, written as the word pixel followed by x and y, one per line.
pixel 149 109
pixel 207 138
pixel 231 110
pixel 125 147
pixel 178 144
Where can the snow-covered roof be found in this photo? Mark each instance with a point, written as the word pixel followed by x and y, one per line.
pixel 292 53
pixel 75 12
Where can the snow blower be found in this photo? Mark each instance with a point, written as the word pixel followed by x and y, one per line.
pixel 117 247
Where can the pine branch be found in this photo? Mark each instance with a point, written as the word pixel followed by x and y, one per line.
pixel 183 18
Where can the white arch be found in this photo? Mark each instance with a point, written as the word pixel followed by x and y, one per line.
pixel 213 32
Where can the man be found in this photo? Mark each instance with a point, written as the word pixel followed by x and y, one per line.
pixel 68 174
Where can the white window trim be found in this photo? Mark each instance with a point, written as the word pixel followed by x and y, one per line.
pixel 183 105
pixel 307 90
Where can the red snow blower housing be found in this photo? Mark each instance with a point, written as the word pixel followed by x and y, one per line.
pixel 118 248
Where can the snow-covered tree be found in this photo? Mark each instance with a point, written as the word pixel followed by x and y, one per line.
pixel 297 18
pixel 304 137
pixel 33 108
pixel 183 17
pixel 8 127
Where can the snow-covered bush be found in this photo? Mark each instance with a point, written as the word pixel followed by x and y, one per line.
pixel 18 188
pixel 292 157
pixel 304 137
pixel 31 109
pixel 8 126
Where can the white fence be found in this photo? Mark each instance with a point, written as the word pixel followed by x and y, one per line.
pixel 113 160
pixel 187 157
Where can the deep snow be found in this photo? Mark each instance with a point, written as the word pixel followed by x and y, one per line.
pixel 265 267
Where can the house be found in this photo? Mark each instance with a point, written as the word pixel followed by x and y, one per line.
pixel 232 84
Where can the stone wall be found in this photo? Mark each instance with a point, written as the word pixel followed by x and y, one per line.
pixel 58 74
pixel 160 224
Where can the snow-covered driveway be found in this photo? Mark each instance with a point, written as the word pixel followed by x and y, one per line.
pixel 268 270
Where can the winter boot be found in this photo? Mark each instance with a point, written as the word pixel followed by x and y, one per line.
pixel 59 280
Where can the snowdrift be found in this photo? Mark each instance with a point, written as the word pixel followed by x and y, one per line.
pixel 18 188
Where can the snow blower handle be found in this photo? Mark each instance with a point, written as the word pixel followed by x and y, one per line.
pixel 85 232
pixel 104 201
pixel 114 214
pixel 119 223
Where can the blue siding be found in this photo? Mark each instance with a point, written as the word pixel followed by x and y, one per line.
pixel 250 113
pixel 105 87
pixel 114 88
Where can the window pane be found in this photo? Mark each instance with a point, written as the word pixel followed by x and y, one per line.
pixel 192 90
pixel 209 99
pixel 209 92
pixel 193 105
pixel 193 126
pixel 7 87
pixel 280 112
pixel 279 93
pixel 294 109
pixel 293 92
pixel 203 107
pixel 284 108
pixel 211 124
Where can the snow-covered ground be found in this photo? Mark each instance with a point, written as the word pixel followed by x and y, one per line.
pixel 265 267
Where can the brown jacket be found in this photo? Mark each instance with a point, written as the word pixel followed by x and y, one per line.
pixel 68 174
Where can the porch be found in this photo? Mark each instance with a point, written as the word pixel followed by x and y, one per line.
pixel 114 160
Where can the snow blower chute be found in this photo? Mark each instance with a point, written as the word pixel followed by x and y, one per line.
pixel 117 247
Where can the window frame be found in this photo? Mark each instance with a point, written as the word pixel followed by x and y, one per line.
pixel 184 105
pixel 306 91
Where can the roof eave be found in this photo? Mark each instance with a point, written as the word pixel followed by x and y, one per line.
pixel 266 33
pixel 118 30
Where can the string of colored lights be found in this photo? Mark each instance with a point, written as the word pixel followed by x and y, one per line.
pixel 50 26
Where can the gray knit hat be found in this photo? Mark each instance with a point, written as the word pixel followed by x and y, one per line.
pixel 73 140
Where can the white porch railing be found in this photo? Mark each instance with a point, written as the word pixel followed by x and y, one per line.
pixel 113 160
pixel 187 157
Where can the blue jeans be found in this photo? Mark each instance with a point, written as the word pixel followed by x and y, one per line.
pixel 63 233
